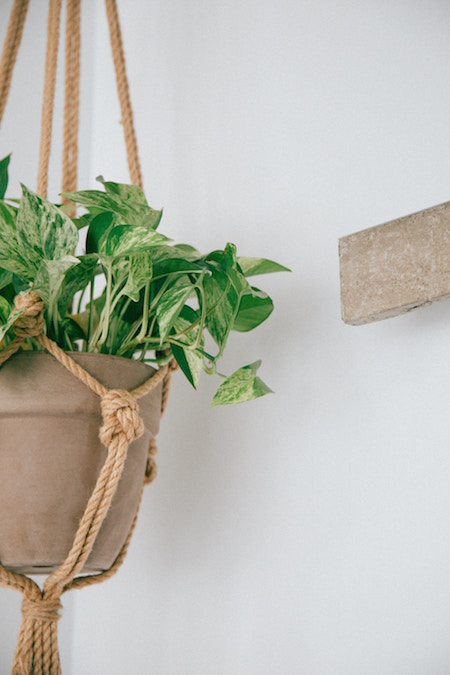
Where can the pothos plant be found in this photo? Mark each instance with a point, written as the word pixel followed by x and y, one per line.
pixel 132 292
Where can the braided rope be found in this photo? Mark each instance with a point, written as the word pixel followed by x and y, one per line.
pixel 37 645
pixel 51 58
pixel 123 92
pixel 71 99
pixel 10 49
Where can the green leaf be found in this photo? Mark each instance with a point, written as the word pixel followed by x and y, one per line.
pixel 10 320
pixel 223 291
pixel 254 308
pixel 44 232
pixel 4 163
pixel 188 252
pixel 174 266
pixel 189 360
pixel 76 279
pixel 11 258
pixel 130 210
pixel 130 239
pixel 253 266
pixel 127 192
pixel 5 278
pixel 98 230
pixel 140 273
pixel 170 306
pixel 243 385
pixel 8 213
pixel 50 276
pixel 5 309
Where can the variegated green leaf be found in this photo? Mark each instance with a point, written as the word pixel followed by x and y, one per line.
pixel 253 266
pixel 243 385
pixel 126 192
pixel 140 273
pixel 130 239
pixel 4 328
pixel 188 330
pixel 44 232
pixel 76 279
pixel 5 278
pixel 169 307
pixel 254 308
pixel 129 210
pixel 11 257
pixel 4 163
pixel 50 277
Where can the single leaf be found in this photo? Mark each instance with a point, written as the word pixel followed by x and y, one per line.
pixel 189 360
pixel 191 364
pixel 44 232
pixel 50 276
pixel 170 306
pixel 127 192
pixel 11 257
pixel 188 252
pixel 253 266
pixel 243 385
pixel 140 273
pixel 98 230
pixel 10 321
pixel 4 163
pixel 222 291
pixel 254 308
pixel 129 210
pixel 173 266
pixel 5 278
pixel 130 239
pixel 5 309
pixel 76 279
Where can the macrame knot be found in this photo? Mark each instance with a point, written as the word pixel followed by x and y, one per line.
pixel 31 322
pixel 120 413
pixel 41 609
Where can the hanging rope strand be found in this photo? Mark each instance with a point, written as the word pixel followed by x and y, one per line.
pixel 10 48
pixel 71 97
pixel 51 58
pixel 123 92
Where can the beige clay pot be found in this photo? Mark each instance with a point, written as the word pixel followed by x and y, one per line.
pixel 50 457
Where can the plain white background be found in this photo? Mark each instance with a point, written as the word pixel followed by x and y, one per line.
pixel 306 533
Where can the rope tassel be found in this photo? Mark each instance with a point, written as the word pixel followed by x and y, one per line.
pixel 37 645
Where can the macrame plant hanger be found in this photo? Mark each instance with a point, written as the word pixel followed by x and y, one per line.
pixel 37 647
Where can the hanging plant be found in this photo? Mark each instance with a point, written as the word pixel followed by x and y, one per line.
pixel 157 300
pixel 78 437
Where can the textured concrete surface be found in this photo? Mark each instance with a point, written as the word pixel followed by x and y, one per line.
pixel 393 268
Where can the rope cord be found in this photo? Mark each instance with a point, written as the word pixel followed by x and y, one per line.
pixel 71 98
pixel 37 648
pixel 123 92
pixel 51 59
pixel 10 49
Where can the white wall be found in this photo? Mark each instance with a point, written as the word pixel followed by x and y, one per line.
pixel 305 533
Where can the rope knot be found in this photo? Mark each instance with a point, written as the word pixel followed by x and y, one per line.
pixel 120 413
pixel 31 322
pixel 41 609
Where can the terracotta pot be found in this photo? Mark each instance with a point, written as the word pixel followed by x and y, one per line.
pixel 50 457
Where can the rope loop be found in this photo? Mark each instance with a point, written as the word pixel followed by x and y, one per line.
pixel 121 417
pixel 41 609
pixel 31 322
